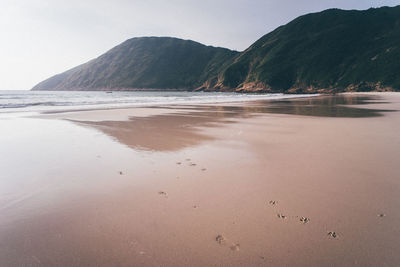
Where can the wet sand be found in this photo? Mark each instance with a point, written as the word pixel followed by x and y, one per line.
pixel 299 182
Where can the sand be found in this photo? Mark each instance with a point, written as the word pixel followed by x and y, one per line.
pixel 300 182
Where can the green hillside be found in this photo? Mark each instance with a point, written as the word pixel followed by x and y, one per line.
pixel 330 51
pixel 146 62
pixel 333 50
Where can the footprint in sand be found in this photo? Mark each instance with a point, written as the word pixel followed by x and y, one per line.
pixel 304 220
pixel 235 247
pixel 273 202
pixel 332 234
pixel 188 159
pixel 192 164
pixel 179 163
pixel 281 216
pixel 203 169
pixel 163 193
pixel 222 241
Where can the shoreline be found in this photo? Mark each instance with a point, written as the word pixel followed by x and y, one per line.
pixel 144 104
pixel 178 104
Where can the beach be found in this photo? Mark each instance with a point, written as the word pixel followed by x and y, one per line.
pixel 289 182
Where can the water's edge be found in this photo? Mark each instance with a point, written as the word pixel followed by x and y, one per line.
pixel 48 102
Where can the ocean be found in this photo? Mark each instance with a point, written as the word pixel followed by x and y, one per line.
pixel 45 101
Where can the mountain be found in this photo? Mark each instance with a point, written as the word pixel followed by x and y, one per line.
pixel 333 49
pixel 330 51
pixel 146 62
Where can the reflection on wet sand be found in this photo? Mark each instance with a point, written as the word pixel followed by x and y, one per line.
pixel 342 106
pixel 183 129
pixel 325 106
pixel 170 132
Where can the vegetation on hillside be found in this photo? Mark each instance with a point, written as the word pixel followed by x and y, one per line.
pixel 330 51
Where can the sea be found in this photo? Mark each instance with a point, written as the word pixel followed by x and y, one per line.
pixel 13 101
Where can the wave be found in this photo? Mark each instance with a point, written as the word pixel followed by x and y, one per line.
pixel 21 101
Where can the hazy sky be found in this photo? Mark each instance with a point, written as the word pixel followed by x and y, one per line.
pixel 40 38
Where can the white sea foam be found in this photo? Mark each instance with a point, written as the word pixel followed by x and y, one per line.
pixel 39 101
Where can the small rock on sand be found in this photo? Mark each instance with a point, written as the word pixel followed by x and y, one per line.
pixel 273 202
pixel 381 215
pixel 120 172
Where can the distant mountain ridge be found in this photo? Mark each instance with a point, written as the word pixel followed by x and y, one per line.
pixel 145 62
pixel 330 51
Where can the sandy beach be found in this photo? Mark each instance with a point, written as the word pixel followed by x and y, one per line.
pixel 295 182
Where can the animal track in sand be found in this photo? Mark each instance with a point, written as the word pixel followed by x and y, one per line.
pixel 332 234
pixel 235 247
pixel 220 239
pixel 304 220
pixel 163 193
pixel 190 163
pixel 223 241
pixel 273 202
pixel 281 216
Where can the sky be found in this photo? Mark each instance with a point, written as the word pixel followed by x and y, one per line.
pixel 40 38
